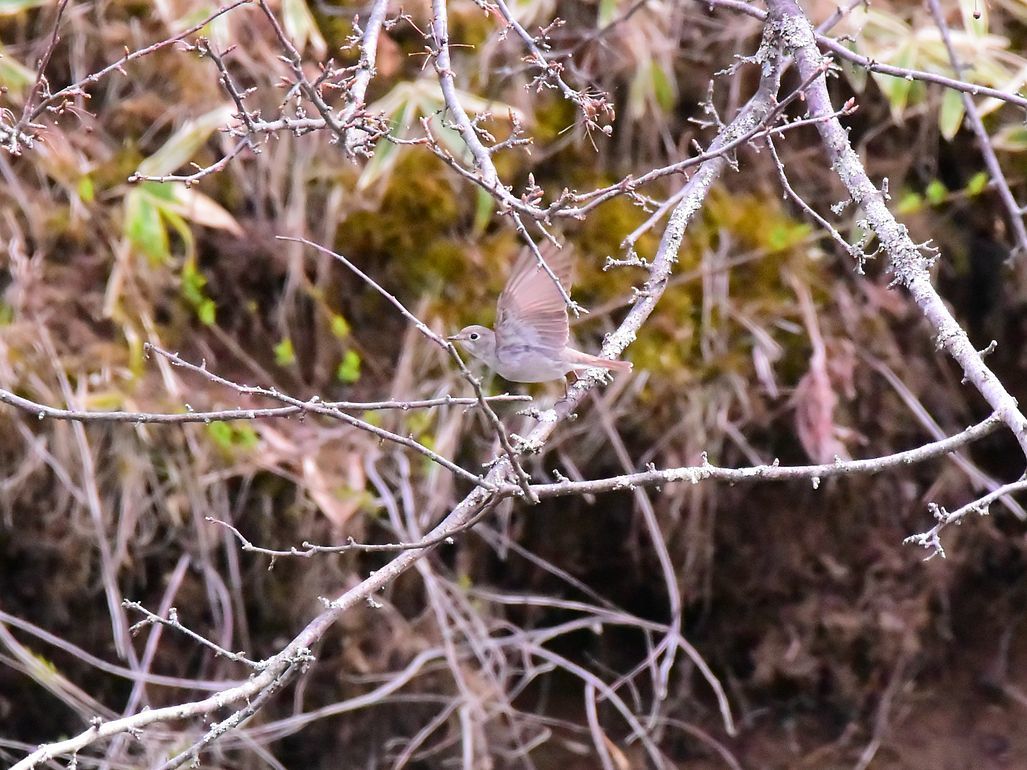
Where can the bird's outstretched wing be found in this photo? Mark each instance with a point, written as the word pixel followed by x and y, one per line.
pixel 531 311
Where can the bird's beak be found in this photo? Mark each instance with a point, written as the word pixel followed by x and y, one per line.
pixel 454 338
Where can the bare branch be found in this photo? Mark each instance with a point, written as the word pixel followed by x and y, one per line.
pixel 907 260
pixel 316 406
pixel 54 102
pixel 523 479
pixel 812 473
pixel 172 621
pixel 42 411
pixel 931 540
pixel 842 52
pixel 1013 209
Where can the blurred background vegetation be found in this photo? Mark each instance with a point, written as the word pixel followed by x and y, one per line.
pixel 826 631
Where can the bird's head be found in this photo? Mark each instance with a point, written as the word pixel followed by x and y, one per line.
pixel 479 341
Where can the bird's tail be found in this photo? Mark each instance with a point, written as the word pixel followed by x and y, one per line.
pixel 587 361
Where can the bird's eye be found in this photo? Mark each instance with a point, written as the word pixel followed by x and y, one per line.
pixel 473 336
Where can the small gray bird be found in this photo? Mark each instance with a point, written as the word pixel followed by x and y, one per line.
pixel 529 343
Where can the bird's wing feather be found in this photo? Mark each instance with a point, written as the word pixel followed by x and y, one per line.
pixel 531 309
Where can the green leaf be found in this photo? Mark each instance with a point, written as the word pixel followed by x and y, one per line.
pixel 936 192
pixel 977 184
pixel 185 142
pixel 484 205
pixel 910 202
pixel 246 437
pixel 349 368
pixel 144 228
pixel 607 13
pixel 373 417
pixel 663 88
pixel 285 354
pixel 159 192
pixel 207 312
pixel 340 327
pixel 10 7
pixel 180 226
pixel 1012 138
pixel 230 436
pixel 86 191
pixel 950 118
pixel 783 235
pixel 221 432
pixel 193 283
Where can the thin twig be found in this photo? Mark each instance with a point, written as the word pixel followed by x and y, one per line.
pixel 79 85
pixel 317 407
pixel 44 60
pixel 1013 209
pixel 907 261
pixel 311 549
pixel 981 506
pixel 172 621
pixel 523 480
pixel 42 411
pixel 906 73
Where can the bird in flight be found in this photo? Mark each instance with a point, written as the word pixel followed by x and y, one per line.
pixel 529 343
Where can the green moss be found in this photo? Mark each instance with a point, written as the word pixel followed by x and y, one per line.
pixel 553 116
pixel 336 28
pixel 418 208
pixel 116 169
pixel 469 27
pixel 669 344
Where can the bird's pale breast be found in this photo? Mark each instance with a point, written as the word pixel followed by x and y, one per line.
pixel 527 363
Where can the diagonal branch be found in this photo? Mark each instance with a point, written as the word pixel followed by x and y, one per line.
pixel 973 116
pixel 489 174
pixel 298 650
pixel 907 261
pixel 842 52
